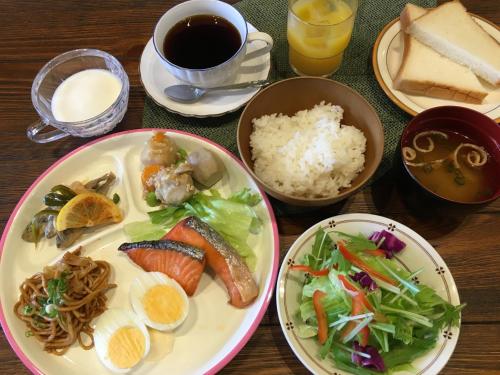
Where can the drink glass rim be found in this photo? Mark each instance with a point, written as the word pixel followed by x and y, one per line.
pixel 66 56
pixel 353 14
pixel 243 42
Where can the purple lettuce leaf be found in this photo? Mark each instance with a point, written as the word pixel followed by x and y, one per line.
pixel 365 280
pixel 375 363
pixel 387 242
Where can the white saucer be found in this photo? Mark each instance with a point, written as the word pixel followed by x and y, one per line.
pixel 155 78
pixel 387 55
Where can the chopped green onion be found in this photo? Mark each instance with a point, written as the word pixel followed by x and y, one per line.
pixel 27 309
pixel 50 311
pixel 116 198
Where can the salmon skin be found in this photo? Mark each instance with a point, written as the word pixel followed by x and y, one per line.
pixel 180 261
pixel 221 257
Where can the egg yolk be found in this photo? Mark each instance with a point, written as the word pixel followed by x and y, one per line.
pixel 163 304
pixel 126 347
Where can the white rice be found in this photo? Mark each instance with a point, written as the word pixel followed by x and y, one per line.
pixel 309 154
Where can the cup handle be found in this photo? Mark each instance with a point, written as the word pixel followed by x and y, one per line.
pixel 33 133
pixel 261 51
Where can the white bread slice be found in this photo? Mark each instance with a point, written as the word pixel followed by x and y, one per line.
pixel 423 71
pixel 451 31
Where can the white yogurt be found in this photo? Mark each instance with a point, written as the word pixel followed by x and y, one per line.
pixel 85 94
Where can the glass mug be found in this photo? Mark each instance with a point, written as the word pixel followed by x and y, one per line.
pixel 53 74
pixel 318 32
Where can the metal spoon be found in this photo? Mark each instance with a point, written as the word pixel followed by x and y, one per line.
pixel 190 94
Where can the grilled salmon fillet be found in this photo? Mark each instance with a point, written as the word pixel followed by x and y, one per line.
pixel 221 257
pixel 180 261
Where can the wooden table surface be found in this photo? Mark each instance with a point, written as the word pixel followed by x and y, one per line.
pixel 33 32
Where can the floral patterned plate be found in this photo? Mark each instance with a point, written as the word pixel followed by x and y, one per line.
pixel 417 254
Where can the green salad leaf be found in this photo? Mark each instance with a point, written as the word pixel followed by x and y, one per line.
pixel 396 323
pixel 357 243
pixel 321 251
pixel 233 217
pixel 144 231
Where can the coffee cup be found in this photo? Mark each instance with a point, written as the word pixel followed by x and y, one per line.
pixel 189 33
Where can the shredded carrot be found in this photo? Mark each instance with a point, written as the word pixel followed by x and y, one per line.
pixel 158 137
pixel 148 172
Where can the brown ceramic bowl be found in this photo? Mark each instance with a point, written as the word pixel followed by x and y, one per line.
pixel 478 128
pixel 294 94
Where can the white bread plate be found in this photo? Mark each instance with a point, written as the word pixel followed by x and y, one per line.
pixel 386 59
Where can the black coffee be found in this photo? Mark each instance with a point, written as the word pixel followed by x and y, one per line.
pixel 201 42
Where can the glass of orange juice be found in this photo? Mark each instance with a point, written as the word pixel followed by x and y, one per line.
pixel 318 32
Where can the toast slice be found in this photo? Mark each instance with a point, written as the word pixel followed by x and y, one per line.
pixel 452 32
pixel 424 71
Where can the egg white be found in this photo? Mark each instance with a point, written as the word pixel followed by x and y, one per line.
pixel 142 284
pixel 110 322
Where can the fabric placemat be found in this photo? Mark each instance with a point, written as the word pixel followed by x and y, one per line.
pixel 356 71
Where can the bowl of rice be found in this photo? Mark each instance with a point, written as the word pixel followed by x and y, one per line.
pixel 310 141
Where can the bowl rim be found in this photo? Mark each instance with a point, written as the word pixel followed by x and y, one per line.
pixel 345 192
pixel 424 187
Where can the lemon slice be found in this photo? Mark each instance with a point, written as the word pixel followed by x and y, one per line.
pixel 88 210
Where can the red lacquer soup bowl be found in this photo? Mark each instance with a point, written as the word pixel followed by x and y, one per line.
pixel 468 124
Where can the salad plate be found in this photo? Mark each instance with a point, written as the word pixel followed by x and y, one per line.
pixel 386 59
pixel 192 352
pixel 417 255
pixel 155 78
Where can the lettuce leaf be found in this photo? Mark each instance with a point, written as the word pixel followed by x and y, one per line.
pixel 144 231
pixel 233 218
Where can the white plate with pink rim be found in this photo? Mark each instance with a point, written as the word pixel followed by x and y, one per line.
pixel 417 254
pixel 155 78
pixel 204 343
pixel 386 59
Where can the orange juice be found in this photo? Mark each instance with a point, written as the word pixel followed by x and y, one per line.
pixel 318 33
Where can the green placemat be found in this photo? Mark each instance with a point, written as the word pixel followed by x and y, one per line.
pixel 356 71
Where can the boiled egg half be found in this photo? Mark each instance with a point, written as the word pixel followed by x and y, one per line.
pixel 159 301
pixel 121 340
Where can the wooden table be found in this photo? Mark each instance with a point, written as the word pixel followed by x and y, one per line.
pixel 33 32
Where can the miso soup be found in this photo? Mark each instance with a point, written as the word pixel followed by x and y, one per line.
pixel 451 165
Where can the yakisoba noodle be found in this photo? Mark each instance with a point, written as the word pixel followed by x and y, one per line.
pixel 59 303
